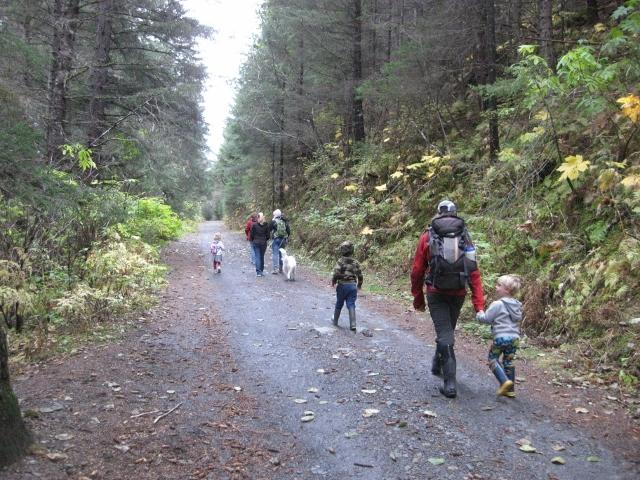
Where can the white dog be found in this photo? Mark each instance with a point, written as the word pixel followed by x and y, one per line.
pixel 288 265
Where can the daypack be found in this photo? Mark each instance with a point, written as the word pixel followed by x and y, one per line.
pixel 449 267
pixel 281 228
pixel 216 248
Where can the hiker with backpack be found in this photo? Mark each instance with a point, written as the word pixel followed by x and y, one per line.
pixel 280 232
pixel 445 262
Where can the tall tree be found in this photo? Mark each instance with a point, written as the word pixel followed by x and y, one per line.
pixel 545 31
pixel 64 18
pixel 356 98
pixel 14 437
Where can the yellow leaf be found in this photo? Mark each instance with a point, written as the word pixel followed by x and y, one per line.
pixel 366 231
pixel 334 175
pixel 338 134
pixel 632 182
pixel 386 140
pixel 607 180
pixel 431 159
pixel 351 188
pixel 572 167
pixel 415 166
pixel 630 106
pixel 397 174
pixel 542 115
pixel 599 27
pixel 382 188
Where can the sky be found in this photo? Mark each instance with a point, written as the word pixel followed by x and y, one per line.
pixel 236 22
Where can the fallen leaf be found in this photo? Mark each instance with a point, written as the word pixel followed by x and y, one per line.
pixel 523 441
pixel 171 392
pixel 351 434
pixel 558 460
pixel 54 457
pixel 64 436
pixel 429 413
pixel 312 390
pixel 581 410
pixel 593 459
pixel 528 448
pixel 320 370
pixel 370 412
pixel 237 389
pixel 308 416
pixel 559 448
pixel 123 448
pixel 486 408
pixel 369 390
pixel 299 400
pixel 436 460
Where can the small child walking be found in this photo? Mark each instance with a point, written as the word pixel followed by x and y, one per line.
pixel 217 248
pixel 348 277
pixel 504 316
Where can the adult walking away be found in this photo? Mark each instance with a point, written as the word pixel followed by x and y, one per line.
pixel 280 232
pixel 446 254
pixel 253 218
pixel 259 236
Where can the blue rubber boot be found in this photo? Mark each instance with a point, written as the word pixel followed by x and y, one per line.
pixel 505 383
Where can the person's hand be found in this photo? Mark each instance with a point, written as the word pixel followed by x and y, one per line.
pixel 418 305
pixel 480 316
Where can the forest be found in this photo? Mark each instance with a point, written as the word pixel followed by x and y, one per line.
pixel 102 159
pixel 356 117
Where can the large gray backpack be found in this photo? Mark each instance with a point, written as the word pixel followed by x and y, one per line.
pixel 449 267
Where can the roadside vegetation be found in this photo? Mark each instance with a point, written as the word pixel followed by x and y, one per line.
pixel 102 161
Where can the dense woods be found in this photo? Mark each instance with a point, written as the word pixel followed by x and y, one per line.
pixel 101 147
pixel 357 116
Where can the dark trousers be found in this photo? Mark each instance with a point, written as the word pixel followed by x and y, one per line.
pixel 444 310
pixel 259 250
pixel 346 292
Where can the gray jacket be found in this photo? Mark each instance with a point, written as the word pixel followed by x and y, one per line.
pixel 504 316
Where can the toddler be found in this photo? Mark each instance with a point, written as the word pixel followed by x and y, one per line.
pixel 348 276
pixel 504 316
pixel 216 250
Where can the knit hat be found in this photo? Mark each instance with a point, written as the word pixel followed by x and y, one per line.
pixel 346 248
pixel 217 236
pixel 277 213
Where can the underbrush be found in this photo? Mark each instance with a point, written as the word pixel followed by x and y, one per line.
pixel 70 272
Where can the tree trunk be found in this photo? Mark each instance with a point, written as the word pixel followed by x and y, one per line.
pixel 99 70
pixel 491 105
pixel 273 175
pixel 592 11
pixel 14 437
pixel 281 164
pixel 357 112
pixel 516 27
pixel 545 32
pixel 64 16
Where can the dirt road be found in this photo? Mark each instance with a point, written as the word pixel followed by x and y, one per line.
pixel 214 381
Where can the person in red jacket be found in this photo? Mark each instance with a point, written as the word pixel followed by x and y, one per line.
pixel 253 218
pixel 445 262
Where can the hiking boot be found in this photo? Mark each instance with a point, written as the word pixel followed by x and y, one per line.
pixel 336 316
pixel 352 319
pixel 275 271
pixel 510 372
pixel 436 365
pixel 505 383
pixel 448 362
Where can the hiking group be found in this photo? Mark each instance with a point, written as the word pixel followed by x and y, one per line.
pixel 444 266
